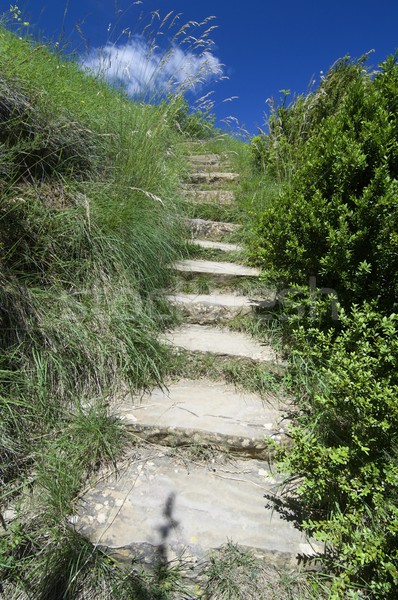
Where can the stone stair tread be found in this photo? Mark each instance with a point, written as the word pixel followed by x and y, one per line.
pixel 210 196
pixel 204 158
pixel 211 177
pixel 206 408
pixel 228 300
pixel 214 230
pixel 209 245
pixel 210 168
pixel 206 338
pixel 215 268
pixel 200 509
pixel 161 499
pixel 211 308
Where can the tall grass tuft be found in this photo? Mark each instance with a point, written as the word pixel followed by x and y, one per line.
pixel 89 225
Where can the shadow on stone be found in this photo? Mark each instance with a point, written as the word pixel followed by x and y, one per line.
pixel 291 509
pixel 165 530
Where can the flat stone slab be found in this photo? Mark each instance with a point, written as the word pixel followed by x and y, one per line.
pixel 223 342
pixel 210 168
pixel 223 197
pixel 213 177
pixel 208 162
pixel 212 230
pixel 218 269
pixel 206 412
pixel 223 246
pixel 186 510
pixel 207 159
pixel 211 308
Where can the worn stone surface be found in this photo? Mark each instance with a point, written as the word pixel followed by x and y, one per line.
pixel 199 411
pixel 206 338
pixel 208 162
pixel 186 508
pixel 211 308
pixel 211 230
pixel 223 197
pixel 223 270
pixel 213 177
pixel 204 159
pixel 223 246
pixel 177 498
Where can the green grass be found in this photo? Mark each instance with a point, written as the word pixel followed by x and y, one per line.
pixel 197 283
pixel 211 212
pixel 236 573
pixel 245 374
pixel 200 253
pixel 89 224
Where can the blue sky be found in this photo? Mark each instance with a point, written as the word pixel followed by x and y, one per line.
pixel 265 46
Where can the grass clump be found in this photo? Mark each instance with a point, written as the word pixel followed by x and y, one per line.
pixel 236 573
pixel 88 228
pixel 245 374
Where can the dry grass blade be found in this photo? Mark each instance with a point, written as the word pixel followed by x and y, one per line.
pixel 148 195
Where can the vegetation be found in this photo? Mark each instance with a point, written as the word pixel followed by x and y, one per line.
pixel 330 215
pixel 89 223
pixel 88 227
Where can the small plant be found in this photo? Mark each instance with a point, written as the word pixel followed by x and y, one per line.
pixel 233 574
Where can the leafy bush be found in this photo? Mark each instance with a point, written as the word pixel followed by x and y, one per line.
pixel 336 218
pixel 345 448
pixel 334 154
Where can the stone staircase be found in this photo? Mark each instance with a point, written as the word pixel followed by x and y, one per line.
pixel 200 476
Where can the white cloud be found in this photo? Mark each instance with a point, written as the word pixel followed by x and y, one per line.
pixel 144 70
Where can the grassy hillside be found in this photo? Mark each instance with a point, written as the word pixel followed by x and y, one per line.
pixel 88 227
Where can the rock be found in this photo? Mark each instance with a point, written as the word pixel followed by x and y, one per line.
pixel 213 177
pixel 223 246
pixel 219 197
pixel 205 412
pixel 223 270
pixel 212 230
pixel 211 308
pixel 186 509
pixel 224 342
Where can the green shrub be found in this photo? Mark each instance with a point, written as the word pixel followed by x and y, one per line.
pixel 333 220
pixel 345 448
pixel 336 218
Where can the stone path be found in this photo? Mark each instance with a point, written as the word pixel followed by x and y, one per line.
pixel 215 269
pixel 223 246
pixel 170 494
pixel 205 338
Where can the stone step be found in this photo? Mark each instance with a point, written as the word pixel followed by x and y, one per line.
pixel 211 230
pixel 206 412
pixel 223 246
pixel 210 168
pixel 223 197
pixel 222 342
pixel 215 177
pixel 219 270
pixel 211 308
pixel 204 159
pixel 157 507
